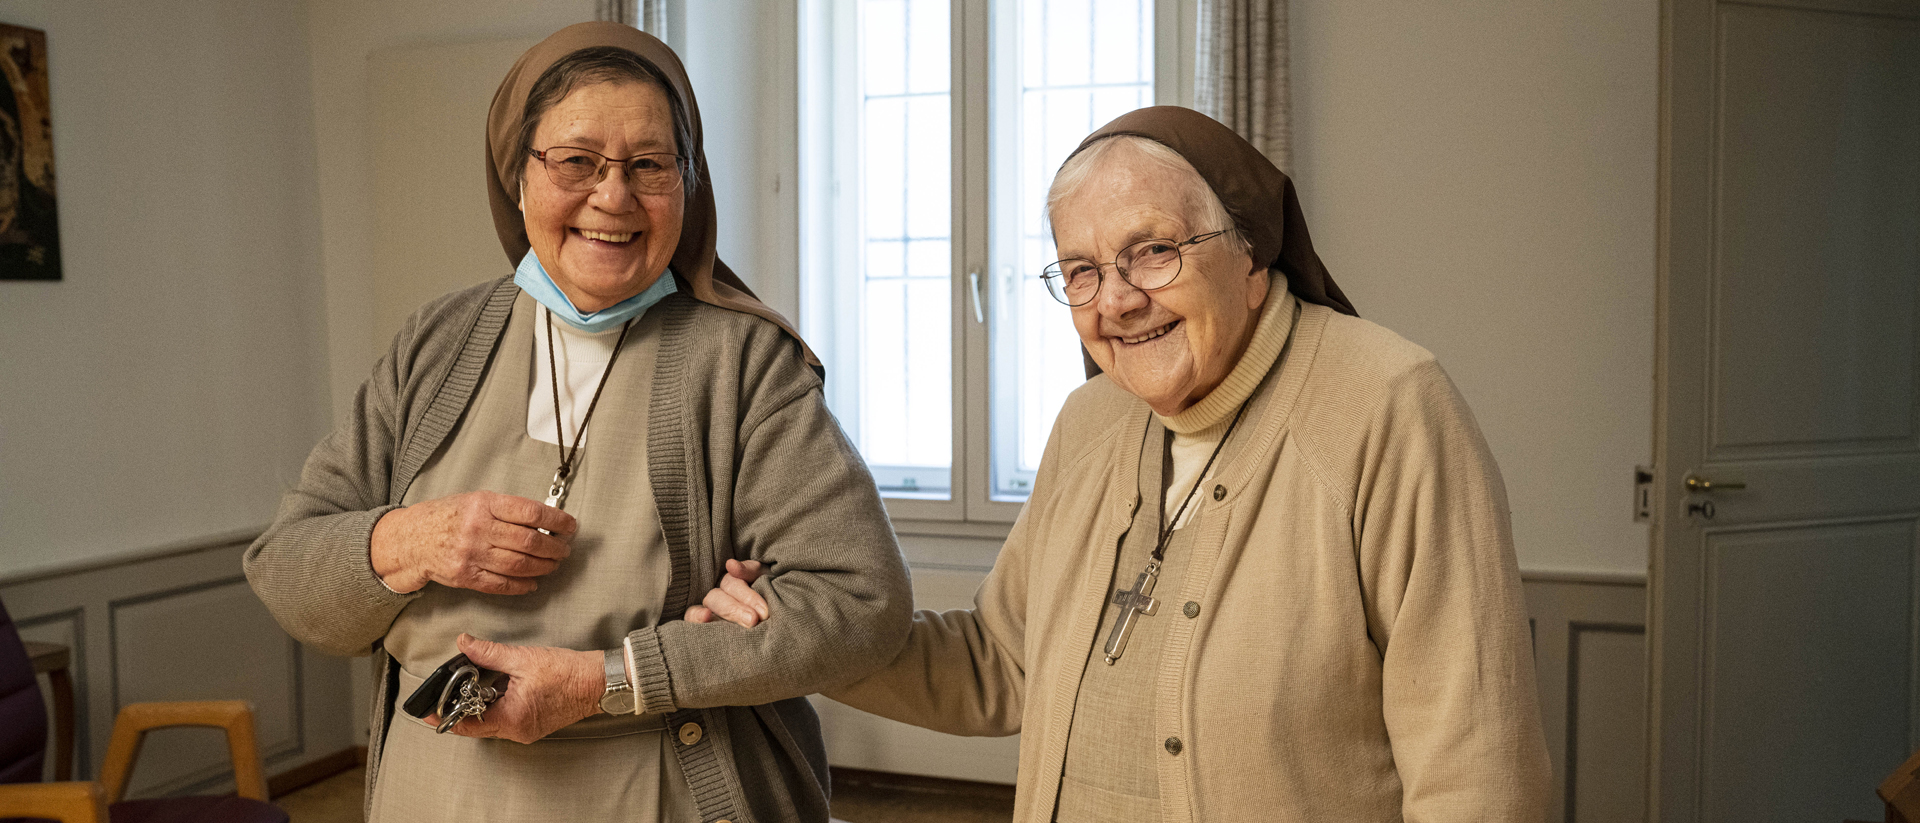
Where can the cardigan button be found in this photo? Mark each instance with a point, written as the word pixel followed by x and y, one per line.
pixel 1191 610
pixel 1173 745
pixel 1219 492
pixel 690 734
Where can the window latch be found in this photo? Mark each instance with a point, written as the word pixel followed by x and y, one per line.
pixel 973 282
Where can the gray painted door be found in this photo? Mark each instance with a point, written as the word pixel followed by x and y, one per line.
pixel 1783 644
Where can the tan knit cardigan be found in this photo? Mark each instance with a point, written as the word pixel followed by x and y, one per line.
pixel 1350 641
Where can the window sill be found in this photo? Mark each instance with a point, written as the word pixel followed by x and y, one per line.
pixel 951 528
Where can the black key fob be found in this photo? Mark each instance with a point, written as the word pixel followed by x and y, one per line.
pixel 437 694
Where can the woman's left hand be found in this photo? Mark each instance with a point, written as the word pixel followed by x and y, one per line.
pixel 734 600
pixel 550 689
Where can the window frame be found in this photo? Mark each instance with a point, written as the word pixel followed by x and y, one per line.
pixel 982 56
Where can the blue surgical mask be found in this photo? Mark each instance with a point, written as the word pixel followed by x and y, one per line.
pixel 533 279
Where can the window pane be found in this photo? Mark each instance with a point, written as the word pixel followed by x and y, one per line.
pixel 1081 63
pixel 904 264
pixel 927 142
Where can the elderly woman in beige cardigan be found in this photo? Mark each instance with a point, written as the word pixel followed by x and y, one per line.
pixel 1327 627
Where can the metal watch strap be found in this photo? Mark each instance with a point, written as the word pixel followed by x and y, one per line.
pixel 618 697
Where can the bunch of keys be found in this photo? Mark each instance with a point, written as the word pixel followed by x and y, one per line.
pixel 458 689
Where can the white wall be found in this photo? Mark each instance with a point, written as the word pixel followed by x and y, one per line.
pixel 1479 176
pixel 342 36
pixel 742 57
pixel 169 387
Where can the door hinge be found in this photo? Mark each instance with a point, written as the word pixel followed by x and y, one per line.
pixel 1642 494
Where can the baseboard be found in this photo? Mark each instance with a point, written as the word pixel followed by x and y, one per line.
pixel 919 784
pixel 314 771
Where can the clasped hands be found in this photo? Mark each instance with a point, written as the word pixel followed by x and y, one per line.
pixel 493 543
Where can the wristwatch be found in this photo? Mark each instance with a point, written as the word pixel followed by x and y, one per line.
pixel 618 698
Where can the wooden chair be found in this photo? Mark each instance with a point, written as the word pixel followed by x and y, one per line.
pixel 1901 791
pixel 23 740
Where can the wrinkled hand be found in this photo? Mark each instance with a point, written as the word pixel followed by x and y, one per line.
pixel 734 600
pixel 484 541
pixel 545 690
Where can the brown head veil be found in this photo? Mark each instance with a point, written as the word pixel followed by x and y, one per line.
pixel 695 260
pixel 1258 194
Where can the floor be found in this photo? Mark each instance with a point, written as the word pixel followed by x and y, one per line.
pixel 336 799
pixel 858 797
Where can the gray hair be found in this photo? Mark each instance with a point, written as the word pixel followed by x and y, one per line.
pixel 1201 203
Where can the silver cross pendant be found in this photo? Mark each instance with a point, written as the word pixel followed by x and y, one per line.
pixel 1135 601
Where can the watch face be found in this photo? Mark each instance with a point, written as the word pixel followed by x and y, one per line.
pixel 620 702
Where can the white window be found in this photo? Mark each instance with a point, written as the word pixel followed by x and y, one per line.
pixel 931 130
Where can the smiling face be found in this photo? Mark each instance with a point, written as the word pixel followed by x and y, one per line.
pixel 1171 346
pixel 609 243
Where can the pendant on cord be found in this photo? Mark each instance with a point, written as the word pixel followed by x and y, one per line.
pixel 557 492
pixel 1136 601
pixel 563 476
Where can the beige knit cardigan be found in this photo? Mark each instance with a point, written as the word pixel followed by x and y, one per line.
pixel 1349 643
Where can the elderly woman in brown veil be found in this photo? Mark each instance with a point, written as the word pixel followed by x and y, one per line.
pixel 1266 572
pixel 560 461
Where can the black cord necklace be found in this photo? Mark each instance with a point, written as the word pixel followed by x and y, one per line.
pixel 1139 599
pixel 563 476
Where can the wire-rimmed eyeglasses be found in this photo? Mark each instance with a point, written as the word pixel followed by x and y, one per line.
pixel 577 169
pixel 1146 265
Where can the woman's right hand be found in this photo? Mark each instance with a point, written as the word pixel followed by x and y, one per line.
pixel 484 541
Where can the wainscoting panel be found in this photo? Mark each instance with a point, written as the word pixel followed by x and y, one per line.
pixel 1590 656
pixel 151 664
pixel 1606 722
pixel 180 623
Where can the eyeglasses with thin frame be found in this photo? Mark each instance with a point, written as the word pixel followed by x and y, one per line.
pixel 1146 265
pixel 577 169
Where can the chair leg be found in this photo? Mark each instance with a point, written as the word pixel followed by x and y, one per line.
pixel 62 685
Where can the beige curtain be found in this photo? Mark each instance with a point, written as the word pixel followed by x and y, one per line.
pixel 653 18
pixel 649 16
pixel 617 11
pixel 1242 73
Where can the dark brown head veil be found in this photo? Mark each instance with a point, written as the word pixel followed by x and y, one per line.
pixel 1259 195
pixel 695 262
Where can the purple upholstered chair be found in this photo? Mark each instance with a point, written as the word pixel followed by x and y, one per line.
pixel 23 742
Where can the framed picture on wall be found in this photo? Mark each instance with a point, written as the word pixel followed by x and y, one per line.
pixel 29 225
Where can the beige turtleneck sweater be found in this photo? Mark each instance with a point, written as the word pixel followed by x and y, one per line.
pixel 1109 774
pixel 1198 428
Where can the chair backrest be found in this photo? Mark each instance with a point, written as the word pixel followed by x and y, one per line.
pixel 23 718
pixel 1901 790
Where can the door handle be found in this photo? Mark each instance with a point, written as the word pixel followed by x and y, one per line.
pixel 1696 483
